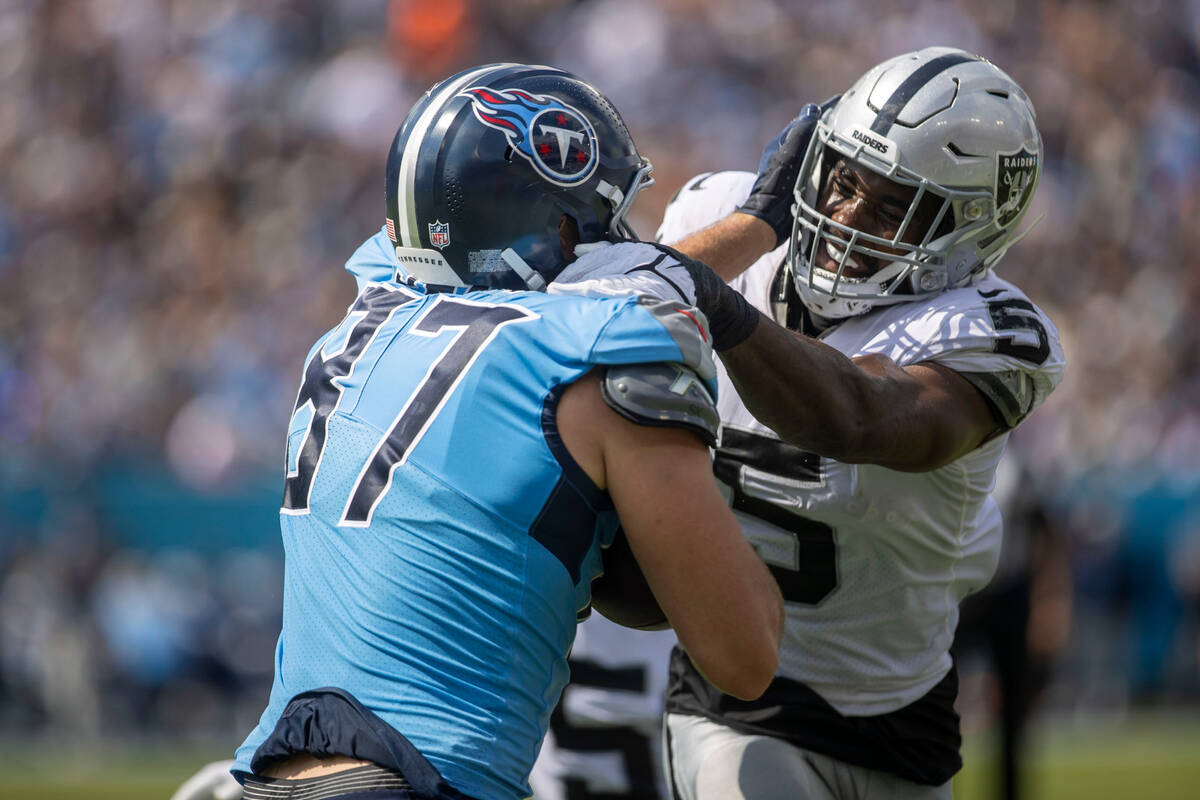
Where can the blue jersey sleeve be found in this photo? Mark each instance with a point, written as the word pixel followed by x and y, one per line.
pixel 650 330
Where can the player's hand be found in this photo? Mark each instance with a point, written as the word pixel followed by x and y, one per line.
pixel 623 269
pixel 771 196
pixel 655 270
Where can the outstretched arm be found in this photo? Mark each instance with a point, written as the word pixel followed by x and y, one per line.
pixel 862 410
pixel 867 409
pixel 730 245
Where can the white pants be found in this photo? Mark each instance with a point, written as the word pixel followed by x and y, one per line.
pixel 708 761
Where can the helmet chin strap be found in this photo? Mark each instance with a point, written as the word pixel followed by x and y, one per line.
pixel 528 275
pixel 1018 237
pixel 825 308
pixel 621 203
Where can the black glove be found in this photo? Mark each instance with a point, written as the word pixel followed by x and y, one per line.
pixel 731 318
pixel 771 196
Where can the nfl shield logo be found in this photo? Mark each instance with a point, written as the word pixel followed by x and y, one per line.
pixel 439 234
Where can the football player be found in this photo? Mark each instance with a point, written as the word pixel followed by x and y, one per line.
pixel 462 446
pixel 604 741
pixel 873 366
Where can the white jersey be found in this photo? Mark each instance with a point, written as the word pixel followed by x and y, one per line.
pixel 873 562
pixel 604 734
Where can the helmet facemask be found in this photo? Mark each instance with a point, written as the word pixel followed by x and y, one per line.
pixel 622 200
pixel 905 270
pixel 950 131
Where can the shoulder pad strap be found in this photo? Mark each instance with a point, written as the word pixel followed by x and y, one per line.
pixel 670 395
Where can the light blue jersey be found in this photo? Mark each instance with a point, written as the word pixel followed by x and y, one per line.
pixel 439 539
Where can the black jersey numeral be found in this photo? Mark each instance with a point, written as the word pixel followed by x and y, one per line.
pixel 636 749
pixel 1016 315
pixel 321 389
pixel 476 325
pixel 811 575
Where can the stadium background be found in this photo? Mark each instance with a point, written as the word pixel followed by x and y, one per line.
pixel 180 183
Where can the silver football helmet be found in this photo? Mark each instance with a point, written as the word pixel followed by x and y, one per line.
pixel 945 125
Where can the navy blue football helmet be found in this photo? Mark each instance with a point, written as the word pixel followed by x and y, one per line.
pixel 486 164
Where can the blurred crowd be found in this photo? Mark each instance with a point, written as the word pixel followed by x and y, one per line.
pixel 181 182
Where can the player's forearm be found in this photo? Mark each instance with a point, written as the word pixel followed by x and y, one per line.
pixel 816 398
pixel 730 245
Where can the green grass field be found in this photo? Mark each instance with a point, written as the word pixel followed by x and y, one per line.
pixel 1143 758
pixel 1147 758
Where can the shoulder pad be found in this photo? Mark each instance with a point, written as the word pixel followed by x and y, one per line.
pixel 701 201
pixel 688 328
pixel 670 395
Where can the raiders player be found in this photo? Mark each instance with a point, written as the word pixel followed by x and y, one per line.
pixel 859 455
pixel 603 742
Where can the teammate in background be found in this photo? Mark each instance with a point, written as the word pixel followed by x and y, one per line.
pixel 860 446
pixel 462 447
pixel 605 735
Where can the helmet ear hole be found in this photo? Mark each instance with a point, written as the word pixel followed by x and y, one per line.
pixel 568 236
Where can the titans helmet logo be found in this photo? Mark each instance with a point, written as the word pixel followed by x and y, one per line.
pixel 556 139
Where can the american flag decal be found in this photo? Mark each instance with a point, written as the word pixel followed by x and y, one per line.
pixel 391 229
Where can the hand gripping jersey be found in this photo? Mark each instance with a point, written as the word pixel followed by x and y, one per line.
pixel 872 562
pixel 439 539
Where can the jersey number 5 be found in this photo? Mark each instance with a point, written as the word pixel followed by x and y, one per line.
pixel 809 575
pixel 1019 319
pixel 475 325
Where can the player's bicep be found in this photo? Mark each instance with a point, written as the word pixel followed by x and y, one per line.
pixel 717 594
pixel 955 416
pixel 921 416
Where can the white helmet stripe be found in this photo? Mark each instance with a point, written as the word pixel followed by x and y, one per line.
pixel 407 174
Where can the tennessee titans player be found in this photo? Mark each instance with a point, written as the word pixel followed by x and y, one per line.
pixel 462 447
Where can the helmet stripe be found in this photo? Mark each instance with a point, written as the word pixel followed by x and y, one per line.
pixel 910 86
pixel 410 235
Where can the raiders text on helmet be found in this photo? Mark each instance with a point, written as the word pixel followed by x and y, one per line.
pixel 486 164
pixel 948 124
